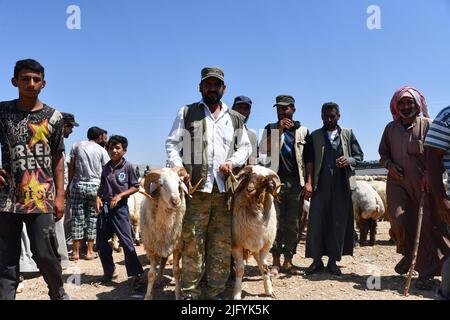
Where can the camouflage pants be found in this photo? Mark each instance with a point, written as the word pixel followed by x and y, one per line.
pixel 206 243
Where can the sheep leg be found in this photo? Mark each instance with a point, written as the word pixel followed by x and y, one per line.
pixel 137 234
pixel 303 224
pixel 373 232
pixel 162 266
pixel 151 276
pixel 261 259
pixel 115 243
pixel 363 230
pixel 177 273
pixel 238 255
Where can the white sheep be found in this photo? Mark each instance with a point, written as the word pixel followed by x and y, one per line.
pixel 368 207
pixel 161 220
pixel 134 205
pixel 304 218
pixel 254 225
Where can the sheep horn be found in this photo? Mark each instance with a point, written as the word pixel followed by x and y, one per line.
pixel 181 171
pixel 151 177
pixel 193 189
pixel 274 184
pixel 146 195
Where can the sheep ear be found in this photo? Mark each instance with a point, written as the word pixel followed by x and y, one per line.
pixel 183 186
pixel 242 178
pixel 153 187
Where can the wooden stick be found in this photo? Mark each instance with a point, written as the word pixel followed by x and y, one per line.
pixel 416 246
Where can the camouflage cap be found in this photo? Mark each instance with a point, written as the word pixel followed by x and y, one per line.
pixel 213 72
pixel 284 100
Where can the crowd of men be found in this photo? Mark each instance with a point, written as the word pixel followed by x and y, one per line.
pixel 211 141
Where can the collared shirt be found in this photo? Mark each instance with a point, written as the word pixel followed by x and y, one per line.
pixel 116 179
pixel 220 134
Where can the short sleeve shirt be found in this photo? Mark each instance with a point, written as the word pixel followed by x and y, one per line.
pixel 438 136
pixel 28 140
pixel 89 158
pixel 116 179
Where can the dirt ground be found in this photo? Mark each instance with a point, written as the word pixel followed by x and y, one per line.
pixel 368 275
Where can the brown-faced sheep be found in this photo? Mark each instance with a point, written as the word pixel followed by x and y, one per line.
pixel 254 224
pixel 161 220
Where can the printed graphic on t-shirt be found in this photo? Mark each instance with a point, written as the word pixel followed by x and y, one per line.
pixel 28 140
pixel 122 177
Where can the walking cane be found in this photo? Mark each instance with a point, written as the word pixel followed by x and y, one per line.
pixel 416 246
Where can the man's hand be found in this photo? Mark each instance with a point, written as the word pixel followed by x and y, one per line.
pixel 395 171
pixel 98 205
pixel 115 200
pixel 58 206
pixel 342 162
pixel 308 191
pixel 285 124
pixel 3 178
pixel 226 168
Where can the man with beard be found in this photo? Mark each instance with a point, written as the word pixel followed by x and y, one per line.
pixel 87 159
pixel 215 144
pixel 331 154
pixel 243 105
pixel 402 153
pixel 288 138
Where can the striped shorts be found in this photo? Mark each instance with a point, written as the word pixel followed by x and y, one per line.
pixel 82 203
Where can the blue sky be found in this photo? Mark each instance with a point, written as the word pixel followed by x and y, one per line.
pixel 133 64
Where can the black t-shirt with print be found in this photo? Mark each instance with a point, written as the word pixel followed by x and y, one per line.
pixel 28 140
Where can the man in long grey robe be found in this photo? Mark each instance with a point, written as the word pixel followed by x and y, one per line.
pixel 331 154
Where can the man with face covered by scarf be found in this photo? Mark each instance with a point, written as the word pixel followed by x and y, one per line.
pixel 402 153
pixel 209 140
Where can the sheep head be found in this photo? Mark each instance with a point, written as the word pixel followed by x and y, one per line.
pixel 167 185
pixel 254 180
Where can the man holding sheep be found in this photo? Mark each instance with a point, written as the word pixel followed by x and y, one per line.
pixel 209 140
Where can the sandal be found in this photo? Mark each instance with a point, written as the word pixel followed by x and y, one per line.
pixel 74 258
pixel 292 270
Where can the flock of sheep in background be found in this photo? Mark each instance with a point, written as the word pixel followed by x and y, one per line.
pixel 157 213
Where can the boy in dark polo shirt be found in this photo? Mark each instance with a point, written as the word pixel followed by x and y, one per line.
pixel 117 183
